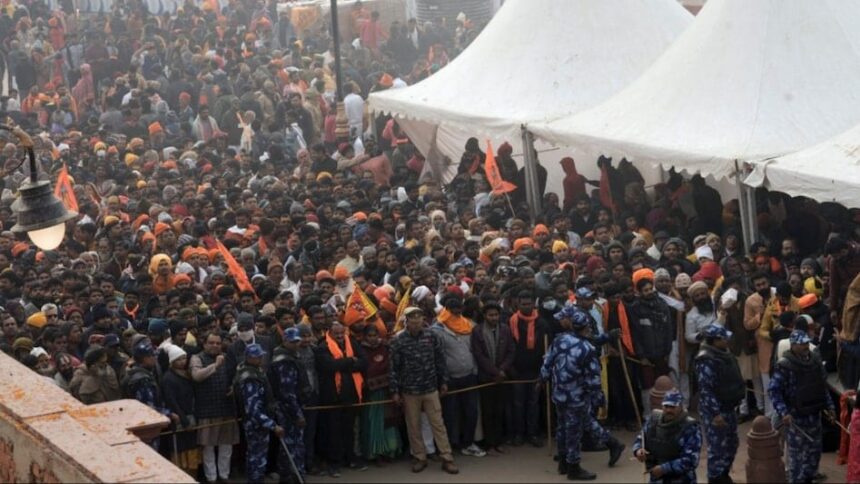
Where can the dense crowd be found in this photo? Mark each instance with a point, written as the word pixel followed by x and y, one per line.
pixel 238 262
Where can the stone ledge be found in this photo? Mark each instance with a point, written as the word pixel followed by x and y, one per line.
pixel 46 435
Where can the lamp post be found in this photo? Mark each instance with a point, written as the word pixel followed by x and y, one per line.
pixel 341 124
pixel 38 211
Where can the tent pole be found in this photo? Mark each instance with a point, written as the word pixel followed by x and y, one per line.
pixel 746 200
pixel 530 163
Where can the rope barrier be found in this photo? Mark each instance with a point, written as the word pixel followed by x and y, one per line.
pixel 354 405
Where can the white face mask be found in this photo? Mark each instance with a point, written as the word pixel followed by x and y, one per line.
pixel 246 336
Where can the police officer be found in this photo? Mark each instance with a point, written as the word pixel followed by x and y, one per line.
pixel 289 388
pixel 673 442
pixel 257 403
pixel 573 365
pixel 798 389
pixel 721 389
pixel 139 383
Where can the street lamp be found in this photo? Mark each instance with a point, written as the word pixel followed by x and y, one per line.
pixel 38 211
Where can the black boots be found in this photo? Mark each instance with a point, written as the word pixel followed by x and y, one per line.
pixel 576 473
pixel 616 448
pixel 723 478
pixel 562 465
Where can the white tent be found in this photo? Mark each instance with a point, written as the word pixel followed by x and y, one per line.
pixel 535 61
pixel 749 80
pixel 827 172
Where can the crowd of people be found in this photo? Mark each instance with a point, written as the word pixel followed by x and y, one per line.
pixel 247 270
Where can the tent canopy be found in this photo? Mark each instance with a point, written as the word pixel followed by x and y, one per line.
pixel 747 81
pixel 826 172
pixel 536 60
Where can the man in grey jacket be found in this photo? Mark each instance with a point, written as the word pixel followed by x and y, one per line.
pixel 460 411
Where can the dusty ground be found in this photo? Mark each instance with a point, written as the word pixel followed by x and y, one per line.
pixel 528 464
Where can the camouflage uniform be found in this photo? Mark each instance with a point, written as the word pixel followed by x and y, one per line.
pixel 803 399
pixel 255 396
pixel 284 373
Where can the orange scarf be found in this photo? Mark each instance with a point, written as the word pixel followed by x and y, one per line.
pixel 457 324
pixel 626 337
pixel 338 354
pixel 530 333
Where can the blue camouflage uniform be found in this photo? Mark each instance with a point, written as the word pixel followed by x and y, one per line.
pixel 284 373
pixel 258 421
pixel 573 365
pixel 139 383
pixel 682 467
pixel 714 382
pixel 804 402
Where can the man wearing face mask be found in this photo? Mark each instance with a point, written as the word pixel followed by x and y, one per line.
pixel 247 337
pixel 798 390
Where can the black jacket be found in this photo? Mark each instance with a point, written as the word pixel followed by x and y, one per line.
pixel 328 366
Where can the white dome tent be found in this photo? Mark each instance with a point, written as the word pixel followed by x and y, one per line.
pixel 747 81
pixel 537 60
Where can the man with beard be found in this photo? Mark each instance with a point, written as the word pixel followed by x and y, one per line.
pixel 528 330
pixel 95 382
pixel 702 314
pixel 621 411
pixel 799 393
pixel 721 389
pixel 670 442
pixel 652 330
pixel 754 308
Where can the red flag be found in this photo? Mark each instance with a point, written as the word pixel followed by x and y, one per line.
pixel 605 189
pixel 235 269
pixel 358 308
pixel 494 176
pixel 64 191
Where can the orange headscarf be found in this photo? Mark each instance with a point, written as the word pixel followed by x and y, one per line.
pixel 339 354
pixel 458 324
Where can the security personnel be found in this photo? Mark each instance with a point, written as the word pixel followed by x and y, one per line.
pixel 573 365
pixel 798 389
pixel 721 389
pixel 673 442
pixel 257 403
pixel 139 383
pixel 288 387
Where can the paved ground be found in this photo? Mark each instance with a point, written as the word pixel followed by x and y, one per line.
pixel 528 464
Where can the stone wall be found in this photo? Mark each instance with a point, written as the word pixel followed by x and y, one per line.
pixel 46 435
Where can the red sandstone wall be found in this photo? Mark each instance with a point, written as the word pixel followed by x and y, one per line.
pixel 48 436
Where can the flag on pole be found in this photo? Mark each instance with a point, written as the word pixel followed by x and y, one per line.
pixel 358 308
pixel 494 176
pixel 64 191
pixel 401 306
pixel 235 269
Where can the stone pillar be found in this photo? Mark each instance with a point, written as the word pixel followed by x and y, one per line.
pixel 765 453
pixel 661 385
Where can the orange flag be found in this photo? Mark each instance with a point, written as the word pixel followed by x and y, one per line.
pixel 494 176
pixel 401 306
pixel 235 269
pixel 64 191
pixel 358 308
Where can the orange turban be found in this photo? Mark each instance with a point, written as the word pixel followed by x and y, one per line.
pixel 523 243
pixel 19 248
pixel 160 228
pixel 181 278
pixel 340 273
pixel 540 229
pixel 155 128
pixel 643 274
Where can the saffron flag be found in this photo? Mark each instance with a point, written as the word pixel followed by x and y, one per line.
pixel 494 176
pixel 235 269
pixel 64 191
pixel 358 308
pixel 401 306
